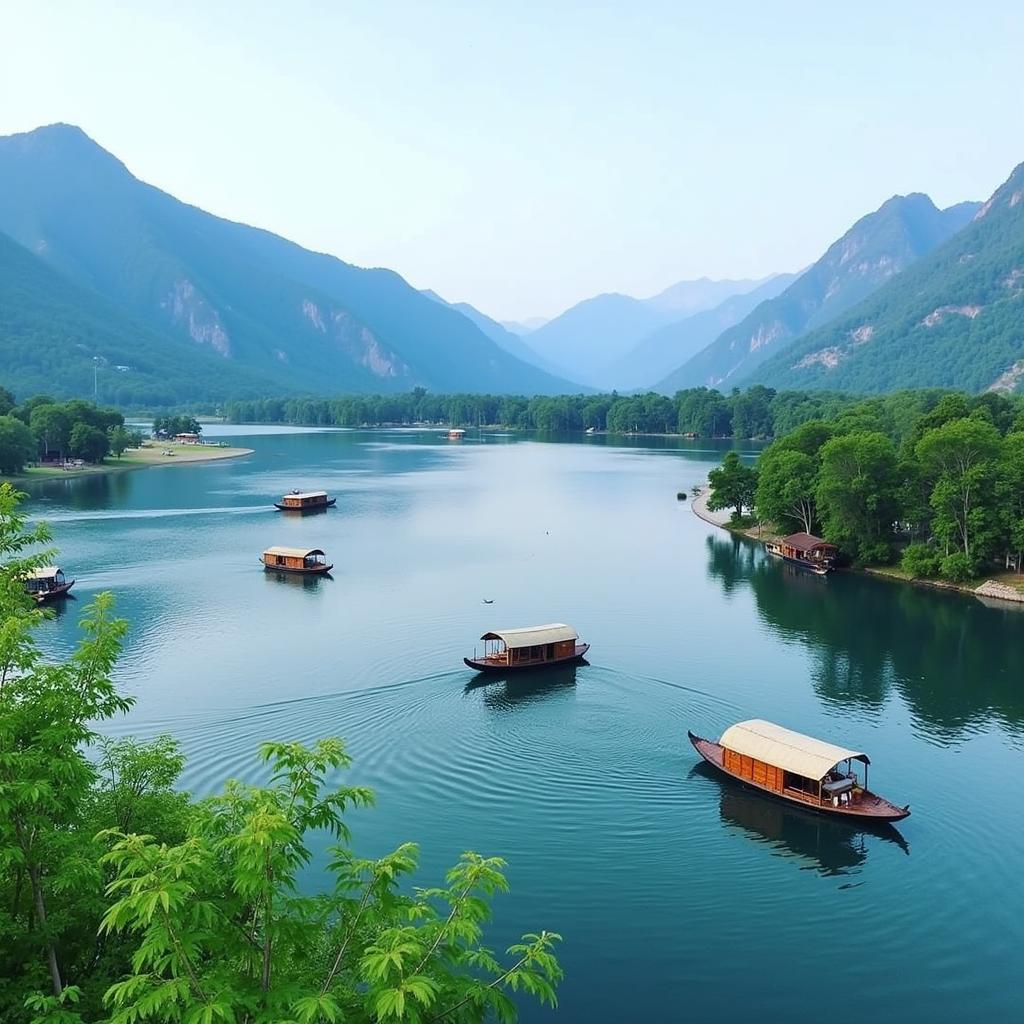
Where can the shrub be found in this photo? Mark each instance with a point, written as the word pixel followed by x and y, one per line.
pixel 921 561
pixel 957 568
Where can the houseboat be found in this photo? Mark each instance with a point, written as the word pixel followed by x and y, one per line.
pixel 806 550
pixel 48 583
pixel 310 561
pixel 456 434
pixel 304 501
pixel 507 650
pixel 800 769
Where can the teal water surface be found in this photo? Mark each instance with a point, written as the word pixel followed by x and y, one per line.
pixel 679 894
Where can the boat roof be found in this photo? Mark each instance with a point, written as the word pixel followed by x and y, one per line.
pixel 46 572
pixel 293 552
pixel 307 494
pixel 806 541
pixel 533 636
pixel 792 751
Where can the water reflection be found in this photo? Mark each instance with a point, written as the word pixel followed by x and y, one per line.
pixel 503 692
pixel 298 580
pixel 953 661
pixel 819 843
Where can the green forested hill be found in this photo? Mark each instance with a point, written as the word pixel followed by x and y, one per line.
pixel 873 251
pixel 954 319
pixel 54 334
pixel 249 298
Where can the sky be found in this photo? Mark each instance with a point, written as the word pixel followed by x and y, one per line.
pixel 524 156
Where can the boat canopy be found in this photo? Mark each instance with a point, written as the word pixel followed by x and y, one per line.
pixel 533 636
pixel 791 751
pixel 294 552
pixel 47 572
pixel 807 542
pixel 303 495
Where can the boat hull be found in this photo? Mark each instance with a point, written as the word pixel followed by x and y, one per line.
pixel 870 807
pixel 55 594
pixel 817 570
pixel 484 665
pixel 320 570
pixel 307 508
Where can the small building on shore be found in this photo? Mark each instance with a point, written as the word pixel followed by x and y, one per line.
pixel 187 438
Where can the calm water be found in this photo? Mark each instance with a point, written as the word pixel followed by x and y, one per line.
pixel 679 895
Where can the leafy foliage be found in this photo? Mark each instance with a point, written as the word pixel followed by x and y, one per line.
pixel 733 485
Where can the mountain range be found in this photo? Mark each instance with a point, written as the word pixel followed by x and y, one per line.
pixel 594 339
pixel 876 249
pixel 953 319
pixel 271 314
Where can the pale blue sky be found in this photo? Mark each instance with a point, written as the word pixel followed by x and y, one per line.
pixel 522 156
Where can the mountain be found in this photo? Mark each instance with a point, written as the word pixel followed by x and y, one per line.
pixel 61 339
pixel 255 301
pixel 521 327
pixel 587 341
pixel 872 252
pixel 669 346
pixel 954 319
pixel 499 334
pixel 686 298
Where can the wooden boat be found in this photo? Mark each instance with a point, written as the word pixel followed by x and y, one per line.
pixel 48 583
pixel 510 650
pixel 806 550
pixel 797 768
pixel 304 501
pixel 456 434
pixel 311 561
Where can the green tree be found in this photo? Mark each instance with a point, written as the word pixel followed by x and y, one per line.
pixel 51 426
pixel 858 494
pixel 786 482
pixel 16 445
pixel 1010 494
pixel 959 457
pixel 733 485
pixel 7 402
pixel 118 438
pixel 88 443
pixel 223 934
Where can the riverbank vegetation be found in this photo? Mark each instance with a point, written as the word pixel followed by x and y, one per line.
pixel 43 430
pixel 757 412
pixel 933 481
pixel 123 899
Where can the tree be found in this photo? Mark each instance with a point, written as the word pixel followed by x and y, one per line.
pixel 959 457
pixel 88 443
pixel 6 402
pixel 786 482
pixel 51 426
pixel 857 492
pixel 751 412
pixel 1010 494
pixel 118 438
pixel 16 445
pixel 733 485
pixel 222 933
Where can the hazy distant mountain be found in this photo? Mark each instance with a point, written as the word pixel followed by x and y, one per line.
pixel 953 319
pixel 594 336
pixel 251 299
pixel 510 342
pixel 525 326
pixel 62 339
pixel 689 297
pixel 664 349
pixel 872 252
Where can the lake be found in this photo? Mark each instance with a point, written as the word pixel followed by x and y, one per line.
pixel 679 894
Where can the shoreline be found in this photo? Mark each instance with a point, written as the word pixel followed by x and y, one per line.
pixel 140 458
pixel 988 590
